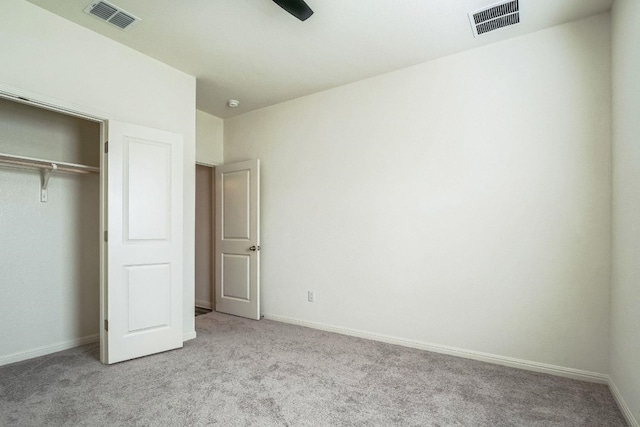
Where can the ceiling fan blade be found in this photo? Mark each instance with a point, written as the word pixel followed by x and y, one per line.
pixel 297 8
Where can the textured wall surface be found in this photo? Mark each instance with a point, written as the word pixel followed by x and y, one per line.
pixel 49 252
pixel 204 236
pixel 463 202
pixel 625 291
pixel 209 135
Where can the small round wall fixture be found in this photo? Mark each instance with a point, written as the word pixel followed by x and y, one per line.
pixel 233 103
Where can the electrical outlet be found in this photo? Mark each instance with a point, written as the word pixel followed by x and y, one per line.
pixel 311 296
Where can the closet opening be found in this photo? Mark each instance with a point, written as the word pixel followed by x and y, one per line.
pixel 50 222
pixel 204 240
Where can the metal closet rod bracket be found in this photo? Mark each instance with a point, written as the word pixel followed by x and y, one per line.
pixel 46 166
pixel 46 174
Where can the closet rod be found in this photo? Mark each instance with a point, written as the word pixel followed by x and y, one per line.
pixel 30 162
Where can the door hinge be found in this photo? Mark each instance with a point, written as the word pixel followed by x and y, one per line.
pixel 106 147
pixel 106 325
pixel 106 235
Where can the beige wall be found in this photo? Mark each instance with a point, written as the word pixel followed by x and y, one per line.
pixel 204 236
pixel 49 252
pixel 209 135
pixel 625 292
pixel 57 61
pixel 464 202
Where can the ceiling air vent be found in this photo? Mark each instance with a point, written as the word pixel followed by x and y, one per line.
pixel 112 14
pixel 495 16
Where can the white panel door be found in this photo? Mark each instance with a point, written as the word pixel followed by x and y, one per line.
pixel 142 297
pixel 238 239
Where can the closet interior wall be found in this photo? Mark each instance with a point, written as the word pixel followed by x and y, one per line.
pixel 204 266
pixel 49 252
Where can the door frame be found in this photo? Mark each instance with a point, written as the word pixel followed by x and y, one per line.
pixel 212 237
pixel 37 100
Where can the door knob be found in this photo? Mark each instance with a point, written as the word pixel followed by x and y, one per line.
pixel 254 248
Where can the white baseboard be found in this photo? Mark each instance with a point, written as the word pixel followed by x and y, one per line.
pixel 189 336
pixel 204 304
pixel 453 351
pixel 622 404
pixel 54 348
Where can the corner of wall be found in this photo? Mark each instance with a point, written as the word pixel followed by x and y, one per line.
pixel 624 364
pixel 209 139
pixel 622 404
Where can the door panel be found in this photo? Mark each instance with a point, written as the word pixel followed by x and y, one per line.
pixel 238 239
pixel 236 193
pixel 236 277
pixel 144 249
pixel 148 189
pixel 149 297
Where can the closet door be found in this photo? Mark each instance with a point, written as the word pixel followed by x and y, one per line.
pixel 143 292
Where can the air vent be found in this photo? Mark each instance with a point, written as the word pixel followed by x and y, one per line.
pixel 496 16
pixel 112 14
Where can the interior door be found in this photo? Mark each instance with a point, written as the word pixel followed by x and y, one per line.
pixel 237 245
pixel 142 294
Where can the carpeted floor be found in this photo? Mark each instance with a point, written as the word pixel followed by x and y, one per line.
pixel 241 372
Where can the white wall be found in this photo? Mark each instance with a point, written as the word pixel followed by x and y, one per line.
pixel 463 202
pixel 625 292
pixel 49 252
pixel 63 62
pixel 209 139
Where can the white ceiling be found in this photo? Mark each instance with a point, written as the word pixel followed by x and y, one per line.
pixel 254 51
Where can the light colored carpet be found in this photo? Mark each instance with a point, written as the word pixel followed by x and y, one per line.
pixel 241 372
